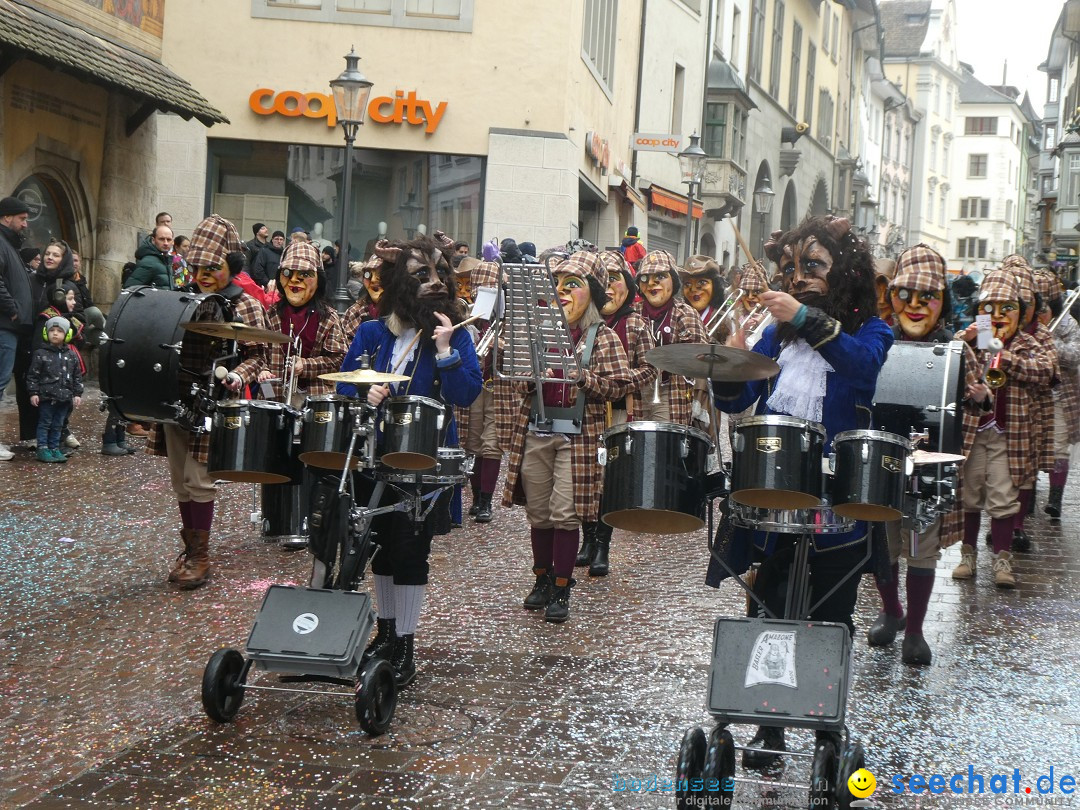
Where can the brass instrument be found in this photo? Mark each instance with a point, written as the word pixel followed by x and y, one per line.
pixel 483 347
pixel 1070 299
pixel 288 377
pixel 726 310
pixel 755 313
pixel 993 376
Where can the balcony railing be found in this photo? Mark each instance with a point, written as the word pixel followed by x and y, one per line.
pixel 724 178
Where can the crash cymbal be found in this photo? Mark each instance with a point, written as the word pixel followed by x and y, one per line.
pixel 922 457
pixel 709 361
pixel 364 376
pixel 234 331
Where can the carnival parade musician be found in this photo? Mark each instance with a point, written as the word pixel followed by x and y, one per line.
pixel 366 307
pixel 830 346
pixel 704 290
pixel 637 339
pixel 554 475
pixel 671 321
pixel 215 257
pixel 415 337
pixel 303 313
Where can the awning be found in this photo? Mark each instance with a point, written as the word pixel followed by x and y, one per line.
pixel 670 201
pixel 28 33
pixel 631 194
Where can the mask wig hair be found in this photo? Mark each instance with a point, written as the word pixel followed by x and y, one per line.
pixel 401 289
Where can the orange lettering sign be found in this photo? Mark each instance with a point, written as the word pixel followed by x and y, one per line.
pixel 404 107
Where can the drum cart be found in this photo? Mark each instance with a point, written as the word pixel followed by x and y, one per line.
pixel 785 671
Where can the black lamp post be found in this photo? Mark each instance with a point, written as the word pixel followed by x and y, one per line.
pixel 692 165
pixel 351 90
pixel 763 200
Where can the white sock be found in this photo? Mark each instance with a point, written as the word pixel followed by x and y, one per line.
pixel 410 599
pixel 385 598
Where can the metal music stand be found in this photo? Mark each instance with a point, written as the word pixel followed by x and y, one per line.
pixel 534 325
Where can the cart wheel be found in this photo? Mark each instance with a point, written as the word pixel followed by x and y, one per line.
pixel 690 768
pixel 823 776
pixel 376 697
pixel 720 768
pixel 851 760
pixel 222 691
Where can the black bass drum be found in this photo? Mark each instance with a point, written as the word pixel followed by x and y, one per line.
pixel 921 387
pixel 150 366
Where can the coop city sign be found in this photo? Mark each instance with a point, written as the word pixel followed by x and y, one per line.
pixel 402 108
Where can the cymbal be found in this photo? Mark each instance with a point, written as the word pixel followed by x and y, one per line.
pixel 363 376
pixel 710 361
pixel 921 457
pixel 234 331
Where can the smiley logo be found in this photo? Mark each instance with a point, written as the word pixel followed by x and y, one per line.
pixel 861 783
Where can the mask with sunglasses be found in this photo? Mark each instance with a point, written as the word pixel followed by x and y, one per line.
pixel 298 273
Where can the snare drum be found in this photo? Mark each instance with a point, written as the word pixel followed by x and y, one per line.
pixel 776 462
pixel 410 433
pixel 251 441
pixel 450 470
pixel 870 474
pixel 654 477
pixel 814 520
pixel 326 430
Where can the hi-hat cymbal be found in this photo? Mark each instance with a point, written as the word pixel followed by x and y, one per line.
pixel 363 376
pixel 234 331
pixel 710 361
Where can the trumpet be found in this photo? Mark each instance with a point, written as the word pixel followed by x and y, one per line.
pixel 993 376
pixel 1066 305
pixel 756 312
pixel 726 310
pixel 483 347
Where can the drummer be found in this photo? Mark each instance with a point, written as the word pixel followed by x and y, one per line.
pixel 215 258
pixel 302 312
pixel 830 346
pixel 415 338
pixel 671 321
pixel 637 339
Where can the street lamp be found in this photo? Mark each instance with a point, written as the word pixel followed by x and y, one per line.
pixel 410 212
pixel 351 90
pixel 692 165
pixel 763 200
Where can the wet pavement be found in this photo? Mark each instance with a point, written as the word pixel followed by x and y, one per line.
pixel 101 662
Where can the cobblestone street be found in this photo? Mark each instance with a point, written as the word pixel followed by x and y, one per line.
pixel 102 662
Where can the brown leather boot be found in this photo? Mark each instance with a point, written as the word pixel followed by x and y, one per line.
pixel 197 565
pixel 181 558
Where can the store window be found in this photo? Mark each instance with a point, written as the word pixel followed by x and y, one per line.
pixel 292 185
pixel 439 15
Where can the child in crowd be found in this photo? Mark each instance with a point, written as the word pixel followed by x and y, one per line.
pixel 54 382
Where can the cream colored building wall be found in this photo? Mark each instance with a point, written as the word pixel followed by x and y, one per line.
pixel 181 172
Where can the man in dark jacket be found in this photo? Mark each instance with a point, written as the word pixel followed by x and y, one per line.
pixel 153 265
pixel 16 298
pixel 260 240
pixel 266 263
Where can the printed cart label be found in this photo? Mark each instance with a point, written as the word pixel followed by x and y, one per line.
pixel 772 660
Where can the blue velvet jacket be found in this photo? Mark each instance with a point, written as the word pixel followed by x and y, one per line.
pixel 459 378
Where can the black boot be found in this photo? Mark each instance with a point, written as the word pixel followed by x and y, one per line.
pixel 383 644
pixel 1021 541
pixel 883 631
pixel 1053 502
pixel 558 609
pixel 599 565
pixel 588 544
pixel 402 661
pixel 540 594
pixel 483 514
pixel 769 737
pixel 475 498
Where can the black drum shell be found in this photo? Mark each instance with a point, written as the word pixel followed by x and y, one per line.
pixel 776 462
pixel 654 477
pixel 285 507
pixel 252 442
pixel 870 475
pixel 410 433
pixel 913 385
pixel 326 430
pixel 140 368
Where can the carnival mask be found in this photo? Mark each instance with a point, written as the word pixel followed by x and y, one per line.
pixel 917 312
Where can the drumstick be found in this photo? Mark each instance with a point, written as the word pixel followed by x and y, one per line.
pixel 467 321
pixel 408 350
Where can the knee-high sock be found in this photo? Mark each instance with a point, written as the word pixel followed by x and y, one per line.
pixel 920 584
pixel 1001 530
pixel 890 593
pixel 565 552
pixel 385 596
pixel 1026 496
pixel 971 528
pixel 543 541
pixel 477 474
pixel 1060 473
pixel 202 515
pixel 185 513
pixel 489 475
pixel 410 600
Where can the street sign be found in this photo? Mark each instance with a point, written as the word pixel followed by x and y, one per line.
pixel 657 142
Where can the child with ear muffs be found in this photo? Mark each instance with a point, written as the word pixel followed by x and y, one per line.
pixel 55 384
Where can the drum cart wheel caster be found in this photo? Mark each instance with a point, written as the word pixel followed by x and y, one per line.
pixel 376 696
pixel 719 771
pixel 223 685
pixel 852 759
pixel 690 768
pixel 823 775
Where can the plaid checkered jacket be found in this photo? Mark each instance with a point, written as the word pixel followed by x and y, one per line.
pixel 605 380
pixel 1067 391
pixel 249 311
pixel 687 328
pixel 330 349
pixel 355 315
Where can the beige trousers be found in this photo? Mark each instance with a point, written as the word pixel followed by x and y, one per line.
pixel 988 484
pixel 190 480
pixel 547 477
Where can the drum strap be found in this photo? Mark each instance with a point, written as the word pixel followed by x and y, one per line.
pixel 565 420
